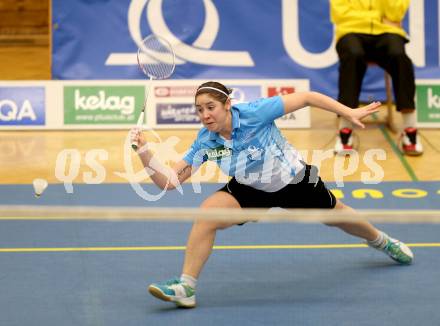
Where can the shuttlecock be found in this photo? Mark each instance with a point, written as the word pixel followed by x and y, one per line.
pixel 39 186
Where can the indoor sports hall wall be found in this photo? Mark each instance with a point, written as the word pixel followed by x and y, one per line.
pixel 116 104
pixel 266 47
pixel 248 39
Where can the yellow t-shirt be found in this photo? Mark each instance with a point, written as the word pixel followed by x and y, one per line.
pixel 368 16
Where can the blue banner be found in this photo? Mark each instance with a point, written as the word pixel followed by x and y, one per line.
pixel 225 39
pixel 22 106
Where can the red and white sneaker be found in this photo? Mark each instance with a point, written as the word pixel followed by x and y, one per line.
pixel 409 142
pixel 344 143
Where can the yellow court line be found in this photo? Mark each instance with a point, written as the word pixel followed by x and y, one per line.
pixel 176 248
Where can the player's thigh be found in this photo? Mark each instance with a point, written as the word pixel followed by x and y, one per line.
pixel 219 199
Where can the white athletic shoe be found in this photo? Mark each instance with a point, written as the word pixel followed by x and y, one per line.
pixel 176 291
pixel 397 250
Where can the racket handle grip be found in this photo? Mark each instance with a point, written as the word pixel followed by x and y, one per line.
pixel 140 122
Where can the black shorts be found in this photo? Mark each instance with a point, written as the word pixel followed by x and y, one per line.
pixel 306 191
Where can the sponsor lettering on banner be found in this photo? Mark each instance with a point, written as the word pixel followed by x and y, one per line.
pixel 278 91
pixel 176 113
pixel 428 103
pixel 303 44
pixel 175 91
pixel 102 104
pixel 22 106
pixel 185 113
pixel 240 93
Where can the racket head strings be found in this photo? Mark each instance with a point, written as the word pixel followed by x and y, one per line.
pixel 156 57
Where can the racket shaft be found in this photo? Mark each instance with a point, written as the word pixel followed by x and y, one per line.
pixel 141 119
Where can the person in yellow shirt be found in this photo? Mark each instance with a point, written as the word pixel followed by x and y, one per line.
pixel 370 31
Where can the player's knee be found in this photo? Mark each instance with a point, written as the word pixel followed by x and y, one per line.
pixel 333 224
pixel 209 226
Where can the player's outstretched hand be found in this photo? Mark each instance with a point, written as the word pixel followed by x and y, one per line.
pixel 358 114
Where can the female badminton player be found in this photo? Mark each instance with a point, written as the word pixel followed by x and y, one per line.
pixel 266 172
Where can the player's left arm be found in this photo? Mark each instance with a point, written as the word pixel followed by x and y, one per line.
pixel 298 100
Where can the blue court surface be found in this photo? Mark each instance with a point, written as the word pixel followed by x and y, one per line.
pixel 96 273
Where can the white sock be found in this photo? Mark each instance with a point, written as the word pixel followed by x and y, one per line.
pixel 345 124
pixel 409 120
pixel 379 242
pixel 188 279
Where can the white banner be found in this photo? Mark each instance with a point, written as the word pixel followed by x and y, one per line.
pixel 116 104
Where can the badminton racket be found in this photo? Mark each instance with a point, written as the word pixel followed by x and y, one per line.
pixel 156 59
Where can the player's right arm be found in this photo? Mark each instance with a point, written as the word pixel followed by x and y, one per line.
pixel 163 176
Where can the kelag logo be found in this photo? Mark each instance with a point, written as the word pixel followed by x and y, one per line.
pixel 428 103
pixel 182 113
pixel 22 106
pixel 102 105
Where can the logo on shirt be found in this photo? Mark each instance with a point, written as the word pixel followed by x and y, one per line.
pixel 215 154
pixel 254 153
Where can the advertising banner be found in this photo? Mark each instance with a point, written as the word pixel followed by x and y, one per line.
pixel 428 103
pixel 212 39
pixel 22 106
pixel 116 104
pixel 174 100
pixel 176 113
pixel 102 104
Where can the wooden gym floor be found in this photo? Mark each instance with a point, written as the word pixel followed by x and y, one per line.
pixel 25 155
